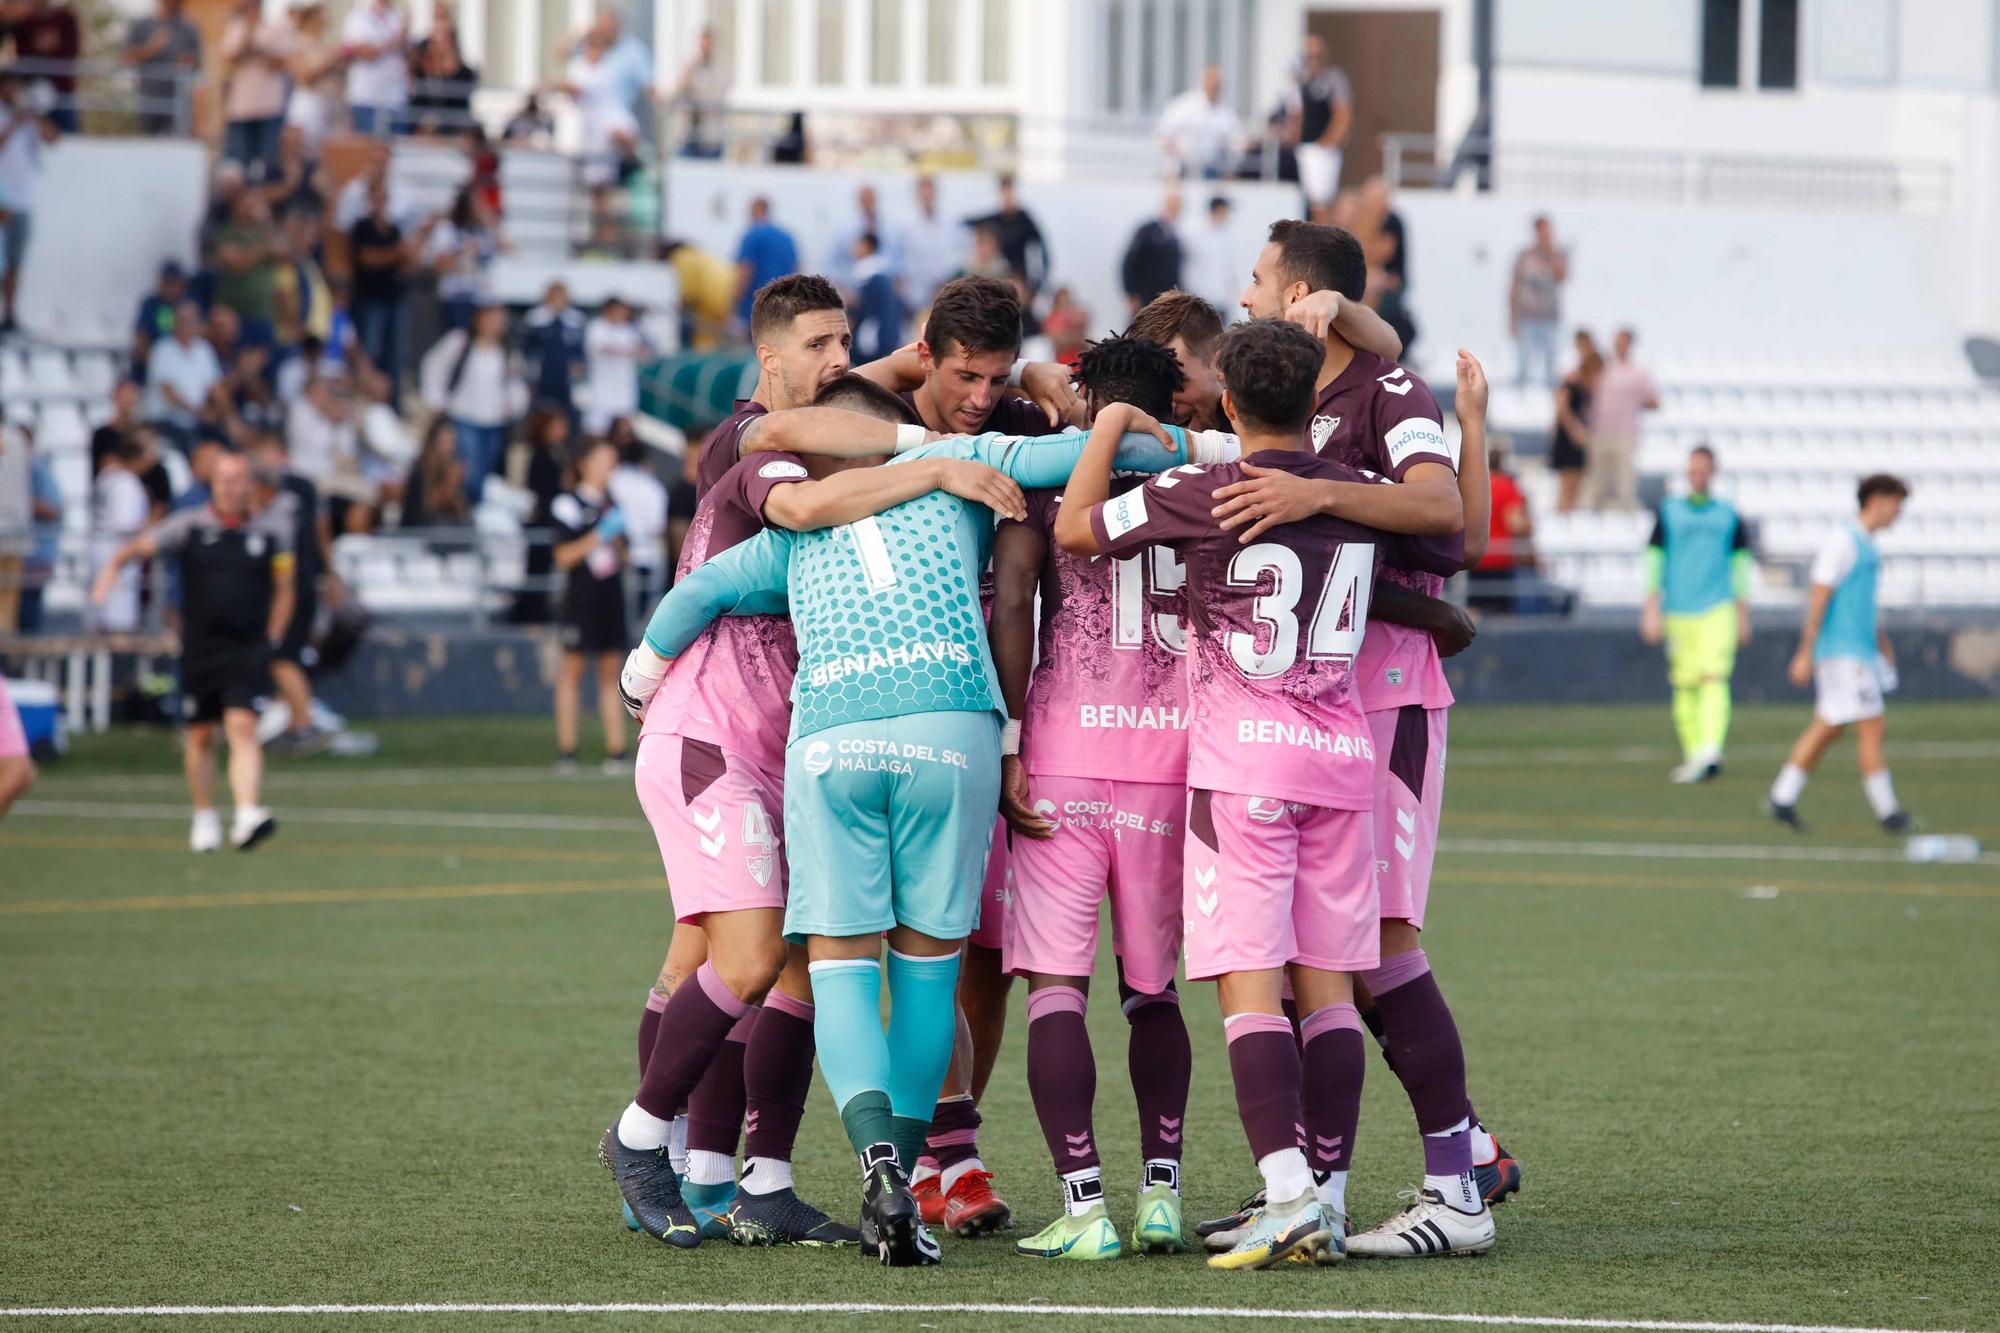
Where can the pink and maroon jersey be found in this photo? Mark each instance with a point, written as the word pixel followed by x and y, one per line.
pixel 1273 631
pixel 1377 417
pixel 722 449
pixel 1109 694
pixel 733 685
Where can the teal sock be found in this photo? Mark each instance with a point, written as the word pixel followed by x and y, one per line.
pixel 853 1049
pixel 923 1024
pixel 910 1135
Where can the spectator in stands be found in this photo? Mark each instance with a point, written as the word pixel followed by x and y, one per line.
pixel 642 498
pixel 932 247
pixel 1020 240
pixel 613 347
pixel 24 133
pixel 256 62
pixel 552 344
pixel 767 252
pixel 703 91
pixel 708 293
pixel 868 220
pixel 683 497
pixel 45 506
pixel 322 441
pixel 246 405
pixel 166 48
pixel 1152 261
pixel 1569 452
pixel 156 311
pixel 301 184
pixel 590 550
pixel 44 31
pixel 314 68
pixel 545 450
pixel 460 250
pixel 247 254
pixel 313 581
pixel 792 148
pixel 984 259
pixel 631 63
pixel 302 297
pixel 1210 258
pixel 1624 390
pixel 1199 132
pixel 120 509
pixel 1509 544
pixel 104 441
pixel 596 82
pixel 531 126
pixel 17 521
pixel 379 255
pixel 1534 302
pixel 375 40
pixel 1319 111
pixel 875 306
pixel 441 99
pixel 386 446
pixel 473 377
pixel 180 372
pixel 1065 327
pixel 434 495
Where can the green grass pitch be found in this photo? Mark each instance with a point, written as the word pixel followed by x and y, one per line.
pixel 369 1062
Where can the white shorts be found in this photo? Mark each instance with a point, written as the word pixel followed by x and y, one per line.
pixel 1319 172
pixel 1846 689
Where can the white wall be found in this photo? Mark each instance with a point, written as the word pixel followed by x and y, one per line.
pixel 1660 35
pixel 108 213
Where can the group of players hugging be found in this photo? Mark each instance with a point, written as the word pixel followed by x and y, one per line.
pixel 1230 721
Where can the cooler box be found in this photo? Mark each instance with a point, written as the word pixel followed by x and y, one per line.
pixel 40 707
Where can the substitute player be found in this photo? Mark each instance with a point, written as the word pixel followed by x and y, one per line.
pixel 1375 416
pixel 1279 875
pixel 1846 656
pixel 1698 600
pixel 236 600
pixel 891 788
pixel 1093 783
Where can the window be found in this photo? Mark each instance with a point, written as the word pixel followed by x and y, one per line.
pixel 1149 57
pixel 941 41
pixel 1114 52
pixel 885 55
pixel 1778 44
pixel 776 66
pixel 831 61
pixel 993 44
pixel 502 64
pixel 1721 42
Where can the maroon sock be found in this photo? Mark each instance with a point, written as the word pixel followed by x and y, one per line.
pixel 1264 1062
pixel 1335 1063
pixel 692 1027
pixel 1421 1040
pixel 715 1107
pixel 777 1074
pixel 954 1133
pixel 649 1028
pixel 1062 1076
pixel 1161 1064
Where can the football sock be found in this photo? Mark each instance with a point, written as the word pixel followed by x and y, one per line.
pixel 1448 1167
pixel 907 1133
pixel 715 1107
pixel 692 1027
pixel 649 1027
pixel 1286 1176
pixel 1162 1171
pixel 953 1138
pixel 677 1145
pixel 1062 1079
pixel 923 1024
pixel 777 1074
pixel 1336 1061
pixel 1790 785
pixel 1161 1063
pixel 710 1168
pixel 1881 793
pixel 1485 1149
pixel 1083 1190
pixel 1712 718
pixel 1429 1060
pixel 765 1175
pixel 1264 1065
pixel 1687 719
pixel 853 1049
pixel 641 1130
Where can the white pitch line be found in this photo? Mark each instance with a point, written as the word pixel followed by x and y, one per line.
pixel 965 1307
pixel 1649 754
pixel 1697 851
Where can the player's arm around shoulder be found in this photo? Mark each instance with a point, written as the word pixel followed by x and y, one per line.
pixel 748 579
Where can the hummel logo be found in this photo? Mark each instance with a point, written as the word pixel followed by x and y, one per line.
pixel 711 846
pixel 708 825
pixel 1206 902
pixel 1079 1144
pixel 1170 1129
pixel 1405 848
pixel 1408 820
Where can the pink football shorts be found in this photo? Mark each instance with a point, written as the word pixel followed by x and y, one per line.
pixel 991 932
pixel 720 824
pixel 13 739
pixel 1121 836
pixel 1409 797
pixel 1269 882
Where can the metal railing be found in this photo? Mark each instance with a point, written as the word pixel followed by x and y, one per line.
pixel 1671 176
pixel 111 97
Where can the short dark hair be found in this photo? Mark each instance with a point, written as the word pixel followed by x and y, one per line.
pixel 1183 315
pixel 873 242
pixel 857 393
pixel 1130 370
pixel 782 300
pixel 1324 258
pixel 1881 483
pixel 1270 368
pixel 976 315
pixel 1704 450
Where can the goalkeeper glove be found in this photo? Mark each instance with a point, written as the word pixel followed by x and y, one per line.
pixel 640 680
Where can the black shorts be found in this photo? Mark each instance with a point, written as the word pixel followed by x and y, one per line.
pixel 298 634
pixel 218 678
pixel 1565 454
pixel 593 620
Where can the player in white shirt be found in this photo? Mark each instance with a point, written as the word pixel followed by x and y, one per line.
pixel 613 349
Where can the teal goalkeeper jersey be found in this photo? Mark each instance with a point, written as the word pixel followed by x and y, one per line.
pixel 886 609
